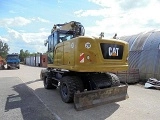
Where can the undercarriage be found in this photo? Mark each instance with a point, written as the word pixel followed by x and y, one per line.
pixel 85 89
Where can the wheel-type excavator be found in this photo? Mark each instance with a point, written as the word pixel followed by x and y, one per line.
pixel 82 67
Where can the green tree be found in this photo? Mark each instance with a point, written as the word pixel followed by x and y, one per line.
pixel 23 55
pixel 3 49
pixel 26 53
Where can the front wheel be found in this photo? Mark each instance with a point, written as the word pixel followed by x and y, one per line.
pixel 3 67
pixel 8 67
pixel 68 86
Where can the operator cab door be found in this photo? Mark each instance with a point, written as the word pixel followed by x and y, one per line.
pixel 62 55
pixel 64 51
pixel 50 49
pixel 58 50
pixel 52 42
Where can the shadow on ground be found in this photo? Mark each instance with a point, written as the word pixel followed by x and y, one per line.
pixel 48 105
pixel 29 104
pixel 67 112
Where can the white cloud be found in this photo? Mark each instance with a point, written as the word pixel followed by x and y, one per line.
pixel 105 3
pixel 85 13
pixel 14 34
pixel 17 21
pixel 43 29
pixel 40 48
pixel 3 39
pixel 28 37
pixel 122 17
pixel 42 20
pixel 36 40
pixel 20 21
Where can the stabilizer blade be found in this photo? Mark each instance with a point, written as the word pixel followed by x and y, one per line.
pixel 89 99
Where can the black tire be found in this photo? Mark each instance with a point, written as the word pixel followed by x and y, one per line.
pixel 102 80
pixel 8 67
pixel 115 80
pixel 42 75
pixel 18 67
pixel 3 67
pixel 68 86
pixel 48 84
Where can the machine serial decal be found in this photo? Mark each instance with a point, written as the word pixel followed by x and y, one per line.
pixel 81 60
pixel 88 45
pixel 72 45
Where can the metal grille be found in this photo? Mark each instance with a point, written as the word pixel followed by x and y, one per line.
pixel 134 57
pixel 145 54
pixel 131 40
pixel 138 44
pixel 153 41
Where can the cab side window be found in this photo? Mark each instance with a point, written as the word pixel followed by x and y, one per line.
pixel 55 39
pixel 50 43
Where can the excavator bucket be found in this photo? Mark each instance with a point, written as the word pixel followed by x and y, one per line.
pixel 89 99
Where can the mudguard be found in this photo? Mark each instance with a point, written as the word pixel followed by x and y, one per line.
pixel 89 99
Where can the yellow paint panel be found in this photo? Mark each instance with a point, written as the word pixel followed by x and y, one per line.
pixel 67 55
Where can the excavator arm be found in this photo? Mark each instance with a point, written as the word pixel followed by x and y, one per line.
pixel 74 26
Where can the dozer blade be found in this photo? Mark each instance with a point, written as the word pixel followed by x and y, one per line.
pixel 89 99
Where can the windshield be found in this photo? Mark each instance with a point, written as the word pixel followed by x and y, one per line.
pixel 65 36
pixel 12 57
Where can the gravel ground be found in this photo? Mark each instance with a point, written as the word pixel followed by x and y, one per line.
pixel 143 104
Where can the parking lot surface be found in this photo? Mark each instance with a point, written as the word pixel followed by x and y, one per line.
pixel 23 97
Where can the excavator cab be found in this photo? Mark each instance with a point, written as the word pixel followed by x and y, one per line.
pixel 59 36
pixel 61 33
pixel 56 37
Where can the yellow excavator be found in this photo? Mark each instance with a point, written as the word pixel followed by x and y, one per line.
pixel 82 67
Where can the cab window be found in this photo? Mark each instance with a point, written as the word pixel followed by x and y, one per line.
pixel 50 43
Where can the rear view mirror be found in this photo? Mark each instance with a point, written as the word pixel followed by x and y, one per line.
pixel 45 42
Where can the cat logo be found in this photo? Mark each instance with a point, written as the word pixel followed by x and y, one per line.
pixel 113 51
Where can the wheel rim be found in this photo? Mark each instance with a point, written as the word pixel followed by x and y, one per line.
pixel 64 90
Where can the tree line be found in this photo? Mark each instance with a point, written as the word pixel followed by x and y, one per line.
pixel 4 49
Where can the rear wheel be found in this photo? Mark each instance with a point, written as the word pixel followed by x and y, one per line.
pixel 115 79
pixel 68 86
pixel 101 81
pixel 48 84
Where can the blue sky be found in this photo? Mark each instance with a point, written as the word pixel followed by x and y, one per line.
pixel 25 24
